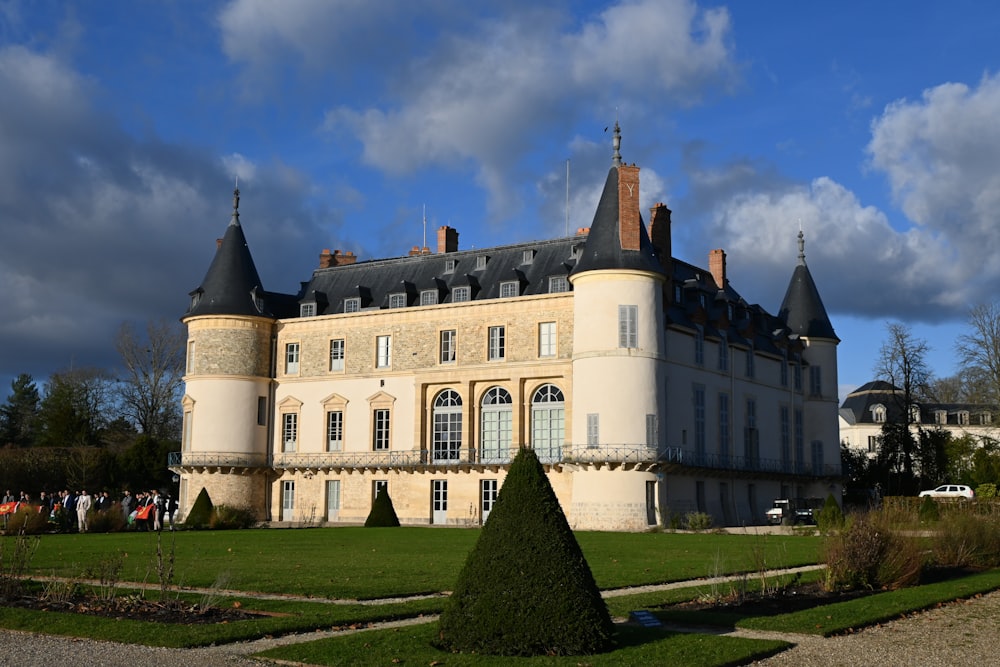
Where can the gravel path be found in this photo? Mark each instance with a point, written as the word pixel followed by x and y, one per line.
pixel 960 633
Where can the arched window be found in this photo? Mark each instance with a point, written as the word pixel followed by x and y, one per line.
pixel 878 413
pixel 495 426
pixel 548 423
pixel 447 427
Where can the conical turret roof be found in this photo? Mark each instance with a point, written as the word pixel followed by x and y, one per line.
pixel 802 308
pixel 232 285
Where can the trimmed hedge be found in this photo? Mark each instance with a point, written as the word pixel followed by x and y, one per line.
pixel 201 512
pixel 382 514
pixel 526 588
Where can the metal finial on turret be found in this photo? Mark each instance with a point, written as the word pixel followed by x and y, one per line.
pixel 802 248
pixel 236 205
pixel 617 143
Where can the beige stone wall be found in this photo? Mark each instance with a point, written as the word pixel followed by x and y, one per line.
pixel 229 346
pixel 226 487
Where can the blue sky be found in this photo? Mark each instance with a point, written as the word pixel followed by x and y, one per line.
pixel 124 125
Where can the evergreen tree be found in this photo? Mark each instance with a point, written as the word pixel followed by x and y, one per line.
pixel 19 415
pixel 526 588
pixel 382 514
pixel 201 512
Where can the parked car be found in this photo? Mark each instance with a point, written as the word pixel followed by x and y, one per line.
pixel 950 491
pixel 793 510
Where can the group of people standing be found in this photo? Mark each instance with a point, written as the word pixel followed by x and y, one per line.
pixel 145 510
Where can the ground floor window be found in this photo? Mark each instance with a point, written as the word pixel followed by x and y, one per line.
pixel 287 499
pixel 488 489
pixel 439 501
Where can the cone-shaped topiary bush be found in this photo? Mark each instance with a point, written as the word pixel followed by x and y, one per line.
pixel 383 514
pixel 201 512
pixel 526 588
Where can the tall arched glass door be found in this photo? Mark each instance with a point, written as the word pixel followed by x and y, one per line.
pixel 447 439
pixel 548 423
pixel 495 427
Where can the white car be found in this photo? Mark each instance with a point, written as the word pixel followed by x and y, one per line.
pixel 950 491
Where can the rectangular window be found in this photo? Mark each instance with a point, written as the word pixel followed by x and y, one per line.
pixel 448 340
pixel 723 353
pixel 337 354
pixel 527 256
pixel 872 444
pixel 397 300
pixel 187 431
pixel 508 288
pixel 289 431
pixel 593 430
pixel 190 357
pixel 380 430
pixel 783 370
pixel 262 411
pixel 750 363
pixel 459 294
pixel 817 457
pixel 699 348
pixel 546 339
pixel 449 266
pixel 750 438
pixel 379 485
pixel 497 343
pixel 352 305
pixel 797 375
pixel 488 493
pixel 332 499
pixel 724 428
pixel 287 499
pixel 786 437
pixel 334 431
pixel 307 310
pixel 699 423
pixel 652 431
pixel 481 262
pixel 428 297
pixel 291 358
pixel 383 351
pixel 558 284
pixel 699 495
pixel 628 326
pixel 799 440
pixel 815 381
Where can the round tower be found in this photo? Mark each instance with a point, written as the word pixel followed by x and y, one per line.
pixel 228 389
pixel 618 344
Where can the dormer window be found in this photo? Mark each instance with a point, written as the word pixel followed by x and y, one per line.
pixel 986 419
pixel 527 256
pixel 352 305
pixel 508 288
pixel 307 310
pixel 449 266
pixel 678 293
pixel 558 284
pixel 915 414
pixel 963 418
pixel 460 294
pixel 397 300
pixel 940 417
pixel 428 297
pixel 878 413
pixel 481 262
pixel 195 298
pixel 258 302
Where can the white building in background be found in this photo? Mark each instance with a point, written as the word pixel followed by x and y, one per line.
pixel 647 385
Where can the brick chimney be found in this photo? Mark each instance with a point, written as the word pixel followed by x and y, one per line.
pixel 659 232
pixel 337 258
pixel 447 239
pixel 581 231
pixel 218 243
pixel 628 207
pixel 717 265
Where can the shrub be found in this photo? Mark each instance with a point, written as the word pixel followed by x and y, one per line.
pixel 966 540
pixel 928 511
pixel 869 554
pixel 526 588
pixel 201 512
pixel 382 514
pixel 226 517
pixel 27 520
pixel 698 520
pixel 986 491
pixel 830 517
pixel 110 520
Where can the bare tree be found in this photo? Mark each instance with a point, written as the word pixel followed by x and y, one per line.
pixel 153 370
pixel 902 362
pixel 979 353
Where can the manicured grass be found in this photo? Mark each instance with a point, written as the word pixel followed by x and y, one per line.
pixel 854 614
pixel 366 563
pixel 637 646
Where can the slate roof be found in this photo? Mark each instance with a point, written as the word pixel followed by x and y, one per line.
pixel 857 406
pixel 374 281
pixel 232 285
pixel 604 248
pixel 802 308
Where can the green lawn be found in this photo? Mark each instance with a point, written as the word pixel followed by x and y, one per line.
pixel 365 563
